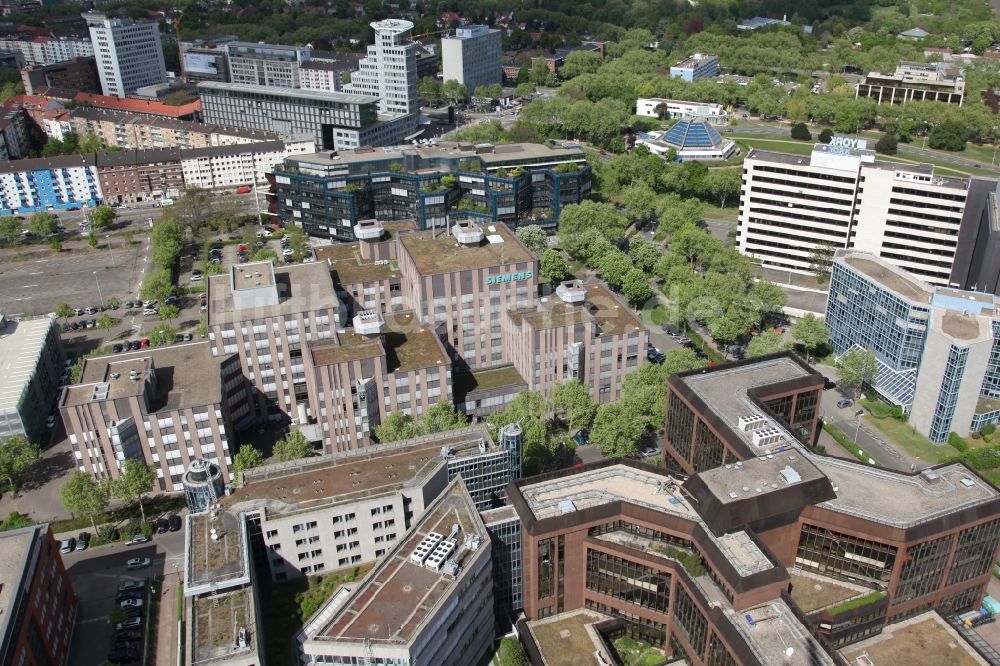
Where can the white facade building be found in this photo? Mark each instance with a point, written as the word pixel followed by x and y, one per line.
pixel 389 72
pixel 231 166
pixel 472 56
pixel 656 107
pixel 842 197
pixel 48 50
pixel 49 184
pixel 129 55
pixel 271 65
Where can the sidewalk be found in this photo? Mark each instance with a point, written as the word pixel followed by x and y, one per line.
pixel 166 631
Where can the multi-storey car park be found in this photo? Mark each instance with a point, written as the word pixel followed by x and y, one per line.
pixel 938 349
pixel 327 194
pixel 841 196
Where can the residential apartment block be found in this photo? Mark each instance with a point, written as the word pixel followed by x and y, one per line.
pixel 162 407
pixel 327 70
pixel 915 82
pixel 524 183
pixel 31 365
pixel 938 348
pixel 472 56
pixel 47 50
pixel 133 131
pixel 841 196
pixel 48 183
pixel 697 66
pixel 76 74
pixel 37 598
pixel 429 600
pixel 269 65
pixel 129 54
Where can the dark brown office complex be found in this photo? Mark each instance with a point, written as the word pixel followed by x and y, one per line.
pixel 722 566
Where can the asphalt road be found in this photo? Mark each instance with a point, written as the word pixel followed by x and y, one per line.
pixel 96 574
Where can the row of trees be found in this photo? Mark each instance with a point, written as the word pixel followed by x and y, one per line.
pixel 441 417
pixel 83 495
pixel 293 446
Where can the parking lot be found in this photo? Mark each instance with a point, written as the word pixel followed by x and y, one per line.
pixel 97 573
pixel 34 279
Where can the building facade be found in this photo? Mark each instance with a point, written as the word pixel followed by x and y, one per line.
pixel 37 598
pixel 472 56
pixel 162 407
pixel 841 197
pixel 389 71
pixel 76 74
pixel 43 51
pixel 658 107
pixel 56 183
pixel 268 65
pixel 915 82
pixel 129 54
pixel 697 66
pixel 515 184
pixel 938 349
pixel 32 359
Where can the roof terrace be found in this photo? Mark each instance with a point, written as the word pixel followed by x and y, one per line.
pixel 441 253
pixel 223 626
pixel 216 555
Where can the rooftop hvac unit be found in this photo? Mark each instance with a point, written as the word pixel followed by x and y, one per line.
pixel 765 436
pixel 424 548
pixel 440 554
pixel 789 475
pixel 751 422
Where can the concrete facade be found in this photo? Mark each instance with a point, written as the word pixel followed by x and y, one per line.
pixel 31 366
pixel 129 55
pixel 472 56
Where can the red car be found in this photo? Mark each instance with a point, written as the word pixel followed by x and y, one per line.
pixel 243 189
pixel 143 343
pixel 241 248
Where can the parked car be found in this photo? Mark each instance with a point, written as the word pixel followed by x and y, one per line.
pixel 828 384
pixel 129 594
pixel 91 310
pixel 130 634
pixel 50 422
pixel 150 312
pixel 649 452
pixel 188 337
pixel 162 526
pixel 130 603
pixel 117 348
pixel 196 277
pixel 132 585
pixel 131 623
pixel 120 656
pixel 67 545
pixel 138 562
pixel 91 323
pixel 845 403
pixel 149 304
pixel 171 300
pixel 137 539
pixel 82 540
pixel 265 233
pixel 174 522
pixel 143 343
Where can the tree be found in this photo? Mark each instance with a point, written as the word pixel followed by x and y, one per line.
pixel 821 258
pixel 135 481
pixel 43 224
pixel 528 409
pixel 102 216
pixel 580 62
pixel 618 427
pixel 812 332
pixel 10 228
pixel 764 343
pixel 524 89
pixel 214 268
pixel 167 241
pixel 857 367
pixel 162 335
pixel 826 136
pixel 157 286
pixel 169 312
pixel 553 269
pixel 15 521
pixel 396 426
pixel 511 652
pixel 264 254
pixel 534 237
pixel 887 144
pixel 55 245
pixel 539 74
pixel 82 495
pixel 767 297
pixel 64 310
pixel 246 458
pixel 614 266
pixel 643 253
pixel 16 456
pixel 92 239
pixel 454 92
pixel 635 287
pixel 571 402
pixel 801 133
pixel 429 89
pixel 575 219
pixel 723 184
pixel 292 447
pixel 106 321
pixel 193 209
pixel 949 135
pixel 639 201
pixel 298 241
pixel 441 417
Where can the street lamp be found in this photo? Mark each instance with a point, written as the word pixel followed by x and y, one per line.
pixel 108 237
pixel 857 418
pixel 99 295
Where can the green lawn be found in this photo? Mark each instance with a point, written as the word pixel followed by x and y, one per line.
pixel 713 212
pixel 905 437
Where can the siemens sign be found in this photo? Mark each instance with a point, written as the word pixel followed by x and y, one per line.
pixel 509 277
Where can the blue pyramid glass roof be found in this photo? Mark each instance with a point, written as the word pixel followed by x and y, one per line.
pixel 693 133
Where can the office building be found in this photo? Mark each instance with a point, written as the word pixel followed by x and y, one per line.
pixel 472 57
pixel 48 183
pixel 915 82
pixel 47 50
pixel 336 120
pixel 658 107
pixel 204 61
pixel 521 183
pixel 37 598
pixel 428 601
pixel 504 527
pixel 31 364
pixel 327 70
pixel 712 559
pixel 389 71
pixel 938 348
pixel 689 139
pixel 840 196
pixel 129 54
pixel 163 407
pixel 77 74
pixel 268 65
pixel 697 66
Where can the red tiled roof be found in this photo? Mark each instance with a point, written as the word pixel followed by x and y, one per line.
pixel 138 105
